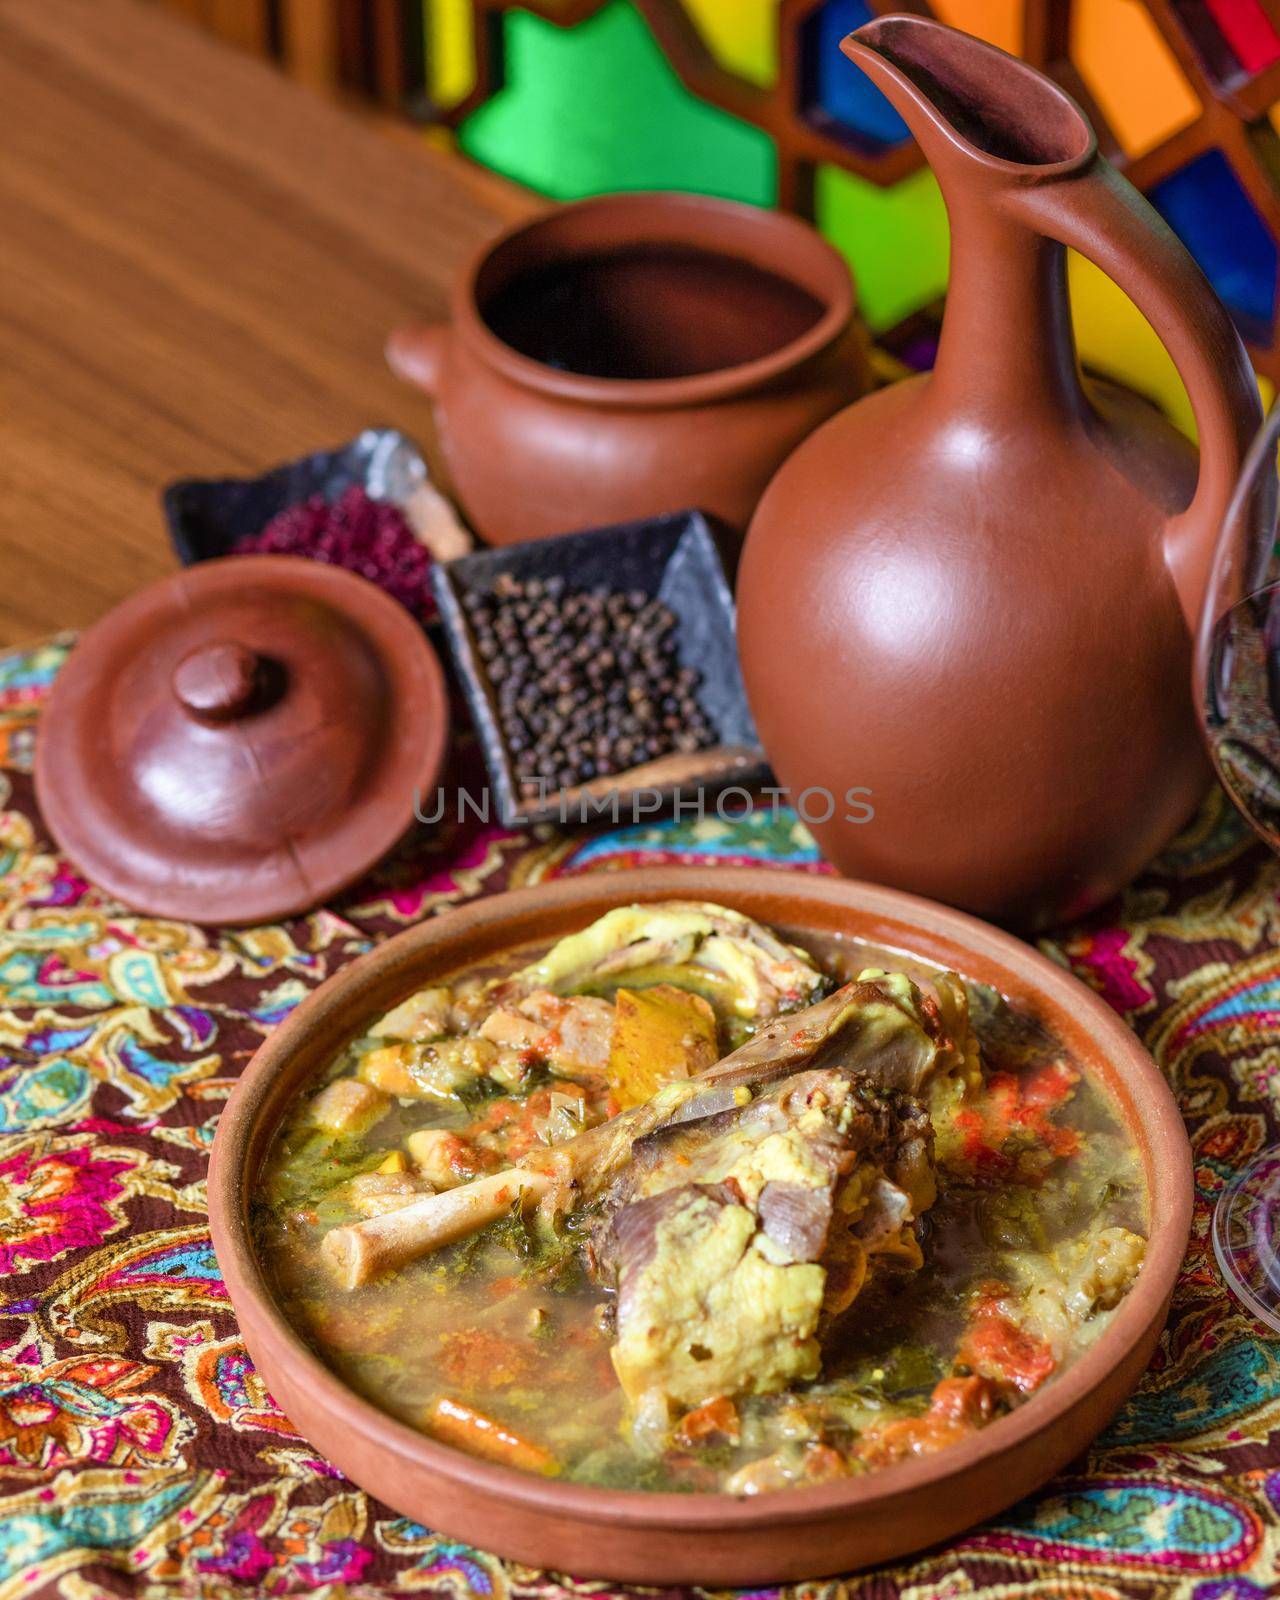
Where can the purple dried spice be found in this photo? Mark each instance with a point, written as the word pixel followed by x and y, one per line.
pixel 365 536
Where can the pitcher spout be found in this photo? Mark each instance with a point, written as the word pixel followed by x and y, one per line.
pixel 992 129
pixel 969 103
pixel 1020 172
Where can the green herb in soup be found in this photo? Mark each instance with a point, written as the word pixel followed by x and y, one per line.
pixel 678 1204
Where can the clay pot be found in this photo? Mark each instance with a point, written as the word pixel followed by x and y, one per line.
pixel 691 1538
pixel 717 336
pixel 975 593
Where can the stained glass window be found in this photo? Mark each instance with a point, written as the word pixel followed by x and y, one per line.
pixel 753 99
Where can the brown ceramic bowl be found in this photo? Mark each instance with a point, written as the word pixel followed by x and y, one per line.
pixel 693 1538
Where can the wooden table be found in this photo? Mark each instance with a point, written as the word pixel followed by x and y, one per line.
pixel 199 263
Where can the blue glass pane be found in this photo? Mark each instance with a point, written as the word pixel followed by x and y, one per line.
pixel 835 90
pixel 1206 207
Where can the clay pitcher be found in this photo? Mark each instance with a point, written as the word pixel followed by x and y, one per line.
pixel 973 594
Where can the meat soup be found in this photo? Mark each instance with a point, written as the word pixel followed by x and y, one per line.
pixel 678 1204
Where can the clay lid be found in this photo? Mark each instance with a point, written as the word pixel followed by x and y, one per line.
pixel 238 742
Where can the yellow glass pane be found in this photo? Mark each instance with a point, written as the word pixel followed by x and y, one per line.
pixel 1131 73
pixel 742 35
pixel 997 21
pixel 1117 341
pixel 451 68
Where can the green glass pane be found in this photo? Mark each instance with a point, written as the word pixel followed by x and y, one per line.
pixel 597 107
pixel 896 239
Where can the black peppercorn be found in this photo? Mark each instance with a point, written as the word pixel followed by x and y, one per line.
pixel 587 681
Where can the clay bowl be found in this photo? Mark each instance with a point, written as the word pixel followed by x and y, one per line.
pixel 708 1539
pixel 702 396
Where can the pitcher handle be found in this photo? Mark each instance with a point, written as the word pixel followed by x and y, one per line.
pixel 1098 213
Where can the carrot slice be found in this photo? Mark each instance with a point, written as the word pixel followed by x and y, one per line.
pixel 464 1427
pixel 957 1408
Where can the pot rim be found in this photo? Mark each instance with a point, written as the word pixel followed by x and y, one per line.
pixel 774 240
pixel 1138 1093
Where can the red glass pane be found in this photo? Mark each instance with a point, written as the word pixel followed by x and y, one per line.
pixel 1247 30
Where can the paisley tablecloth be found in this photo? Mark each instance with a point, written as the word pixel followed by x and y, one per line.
pixel 140 1453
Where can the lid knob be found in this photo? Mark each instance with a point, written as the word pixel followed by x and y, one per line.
pixel 219 681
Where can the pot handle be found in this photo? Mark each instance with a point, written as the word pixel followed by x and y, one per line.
pixel 1100 214
pixel 416 354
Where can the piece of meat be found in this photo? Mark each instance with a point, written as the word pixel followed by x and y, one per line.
pixel 879 1032
pixel 348 1106
pixel 425 1015
pixel 732 1240
pixel 796 1217
pixel 375 1194
pixel 572 1035
pixel 914 1161
pixel 805 1132
pixel 887 1028
pixel 702 1309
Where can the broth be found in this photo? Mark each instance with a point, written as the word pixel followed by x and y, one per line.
pixel 515 1327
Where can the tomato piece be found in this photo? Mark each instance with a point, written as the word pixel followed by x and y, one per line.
pixel 1008 1130
pixel 716 1418
pixel 478 1359
pixel 957 1408
pixel 996 1347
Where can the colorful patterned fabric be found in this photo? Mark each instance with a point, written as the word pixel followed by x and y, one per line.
pixel 140 1453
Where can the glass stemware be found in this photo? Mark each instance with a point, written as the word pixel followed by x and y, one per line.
pixel 1238 686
